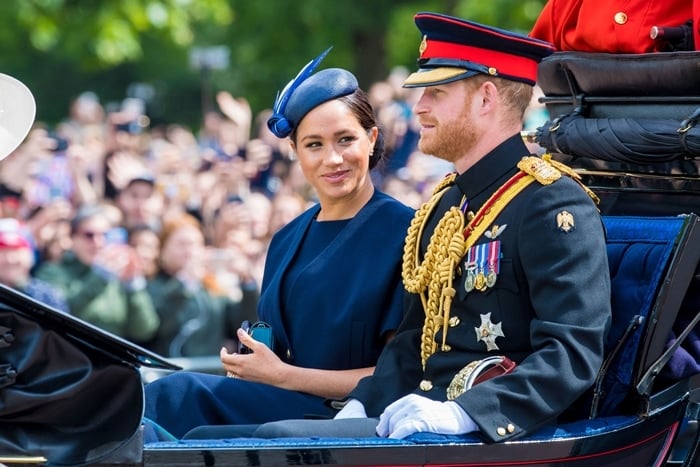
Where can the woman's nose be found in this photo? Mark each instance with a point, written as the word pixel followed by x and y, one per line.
pixel 334 157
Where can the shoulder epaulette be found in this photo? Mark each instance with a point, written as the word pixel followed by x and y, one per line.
pixel 546 170
pixel 543 171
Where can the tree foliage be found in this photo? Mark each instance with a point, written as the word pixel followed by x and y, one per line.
pixel 63 47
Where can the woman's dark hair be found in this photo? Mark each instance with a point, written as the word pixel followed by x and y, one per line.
pixel 360 107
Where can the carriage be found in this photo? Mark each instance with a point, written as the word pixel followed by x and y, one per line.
pixel 84 406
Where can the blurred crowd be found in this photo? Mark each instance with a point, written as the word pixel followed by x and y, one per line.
pixel 158 233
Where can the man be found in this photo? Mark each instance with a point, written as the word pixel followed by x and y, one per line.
pixel 103 282
pixel 140 202
pixel 507 259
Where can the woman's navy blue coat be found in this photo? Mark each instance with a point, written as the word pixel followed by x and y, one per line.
pixel 348 298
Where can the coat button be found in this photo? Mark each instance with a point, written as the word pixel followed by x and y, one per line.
pixel 501 431
pixel 289 354
pixel 510 428
pixel 620 17
pixel 446 348
pixel 425 385
pixel 454 321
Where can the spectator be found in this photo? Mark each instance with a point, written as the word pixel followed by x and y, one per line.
pixel 47 224
pixel 285 207
pixel 140 203
pixel 197 316
pixel 260 208
pixel 146 242
pixel 16 261
pixel 103 284
pixel 54 242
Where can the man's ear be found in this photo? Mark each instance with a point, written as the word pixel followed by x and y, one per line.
pixel 489 95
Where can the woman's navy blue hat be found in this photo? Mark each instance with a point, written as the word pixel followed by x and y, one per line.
pixel 307 91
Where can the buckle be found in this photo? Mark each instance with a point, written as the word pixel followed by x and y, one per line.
pixel 476 372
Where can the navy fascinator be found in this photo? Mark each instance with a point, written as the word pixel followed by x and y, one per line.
pixel 307 91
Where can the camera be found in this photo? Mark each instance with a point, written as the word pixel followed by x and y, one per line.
pixel 116 236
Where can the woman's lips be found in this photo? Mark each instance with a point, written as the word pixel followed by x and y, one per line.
pixel 336 176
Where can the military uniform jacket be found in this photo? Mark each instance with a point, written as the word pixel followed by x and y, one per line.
pixel 549 309
pixel 612 26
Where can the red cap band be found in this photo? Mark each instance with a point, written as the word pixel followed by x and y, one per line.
pixel 504 63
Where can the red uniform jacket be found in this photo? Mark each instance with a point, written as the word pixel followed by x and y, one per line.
pixel 613 26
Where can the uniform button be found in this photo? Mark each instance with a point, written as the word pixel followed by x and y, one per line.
pixel 446 348
pixel 620 17
pixel 425 385
pixel 289 354
pixel 501 431
pixel 454 321
pixel 510 428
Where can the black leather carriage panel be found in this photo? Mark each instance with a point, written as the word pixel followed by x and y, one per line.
pixel 620 75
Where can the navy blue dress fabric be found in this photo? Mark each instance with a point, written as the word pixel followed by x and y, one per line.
pixel 330 310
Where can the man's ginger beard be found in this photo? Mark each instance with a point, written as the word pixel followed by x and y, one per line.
pixel 451 139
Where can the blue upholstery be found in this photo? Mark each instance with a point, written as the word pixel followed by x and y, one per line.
pixel 582 428
pixel 639 249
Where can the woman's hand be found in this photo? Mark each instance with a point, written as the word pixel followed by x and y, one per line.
pixel 263 366
pixel 259 366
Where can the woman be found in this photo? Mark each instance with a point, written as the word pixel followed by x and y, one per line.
pixel 331 290
pixel 197 316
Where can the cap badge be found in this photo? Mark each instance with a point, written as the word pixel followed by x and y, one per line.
pixel 423 44
pixel 488 332
pixel 565 222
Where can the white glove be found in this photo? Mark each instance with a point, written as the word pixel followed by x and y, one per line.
pixel 414 413
pixel 352 409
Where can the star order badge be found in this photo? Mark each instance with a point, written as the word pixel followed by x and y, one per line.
pixel 488 332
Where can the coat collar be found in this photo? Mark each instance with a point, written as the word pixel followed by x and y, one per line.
pixel 493 167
